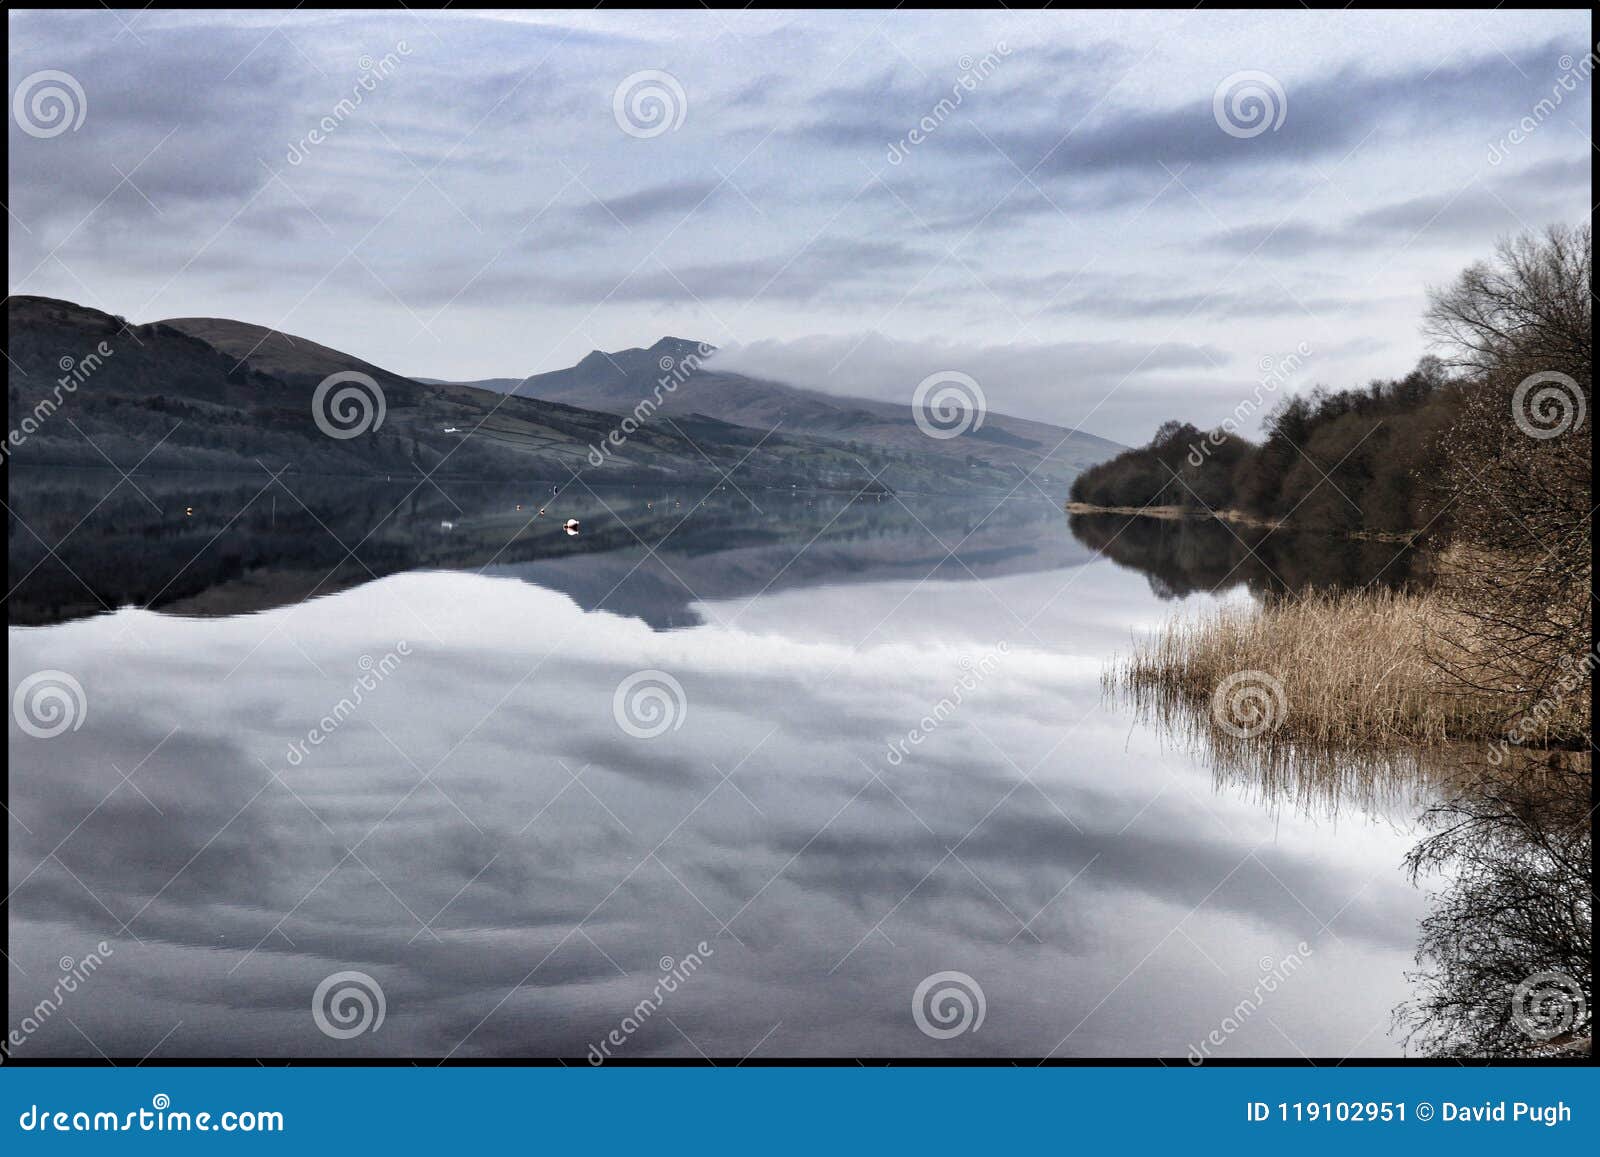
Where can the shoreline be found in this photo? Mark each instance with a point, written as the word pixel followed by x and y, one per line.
pixel 1238 517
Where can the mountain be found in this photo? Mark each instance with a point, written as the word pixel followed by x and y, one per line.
pixel 87 388
pixel 617 381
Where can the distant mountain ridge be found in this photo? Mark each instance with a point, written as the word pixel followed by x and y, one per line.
pixel 206 393
pixel 216 394
pixel 616 381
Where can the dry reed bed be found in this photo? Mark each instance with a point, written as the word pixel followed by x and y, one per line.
pixel 1353 668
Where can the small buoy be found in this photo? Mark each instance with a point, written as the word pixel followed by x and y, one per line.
pixel 519 506
pixel 570 524
pixel 541 512
pixel 188 511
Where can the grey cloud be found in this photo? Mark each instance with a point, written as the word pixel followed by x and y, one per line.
pixel 1261 302
pixel 1325 117
pixel 1480 211
pixel 647 204
pixel 501 113
pixel 1058 382
pixel 1557 173
pixel 828 269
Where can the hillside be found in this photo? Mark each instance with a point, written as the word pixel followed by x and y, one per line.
pixel 86 388
pixel 616 381
pixel 216 394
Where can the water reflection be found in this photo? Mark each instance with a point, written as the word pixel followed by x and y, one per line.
pixel 485 840
pixel 1312 779
pixel 1503 955
pixel 83 543
pixel 481 836
pixel 1185 556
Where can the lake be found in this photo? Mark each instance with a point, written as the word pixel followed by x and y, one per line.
pixel 748 774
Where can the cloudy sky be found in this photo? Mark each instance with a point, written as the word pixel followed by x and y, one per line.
pixel 1071 207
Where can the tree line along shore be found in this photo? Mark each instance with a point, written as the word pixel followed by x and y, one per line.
pixel 1483 451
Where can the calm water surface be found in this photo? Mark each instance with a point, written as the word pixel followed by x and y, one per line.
pixel 511 851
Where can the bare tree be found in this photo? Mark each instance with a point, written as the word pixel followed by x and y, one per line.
pixel 1506 945
pixel 1518 477
pixel 1531 303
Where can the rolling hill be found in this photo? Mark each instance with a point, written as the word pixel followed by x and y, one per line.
pixel 89 389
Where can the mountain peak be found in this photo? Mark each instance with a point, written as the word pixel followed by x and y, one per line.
pixel 681 347
pixel 677 348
